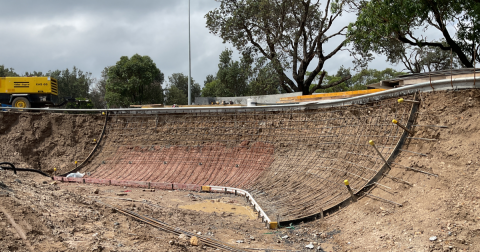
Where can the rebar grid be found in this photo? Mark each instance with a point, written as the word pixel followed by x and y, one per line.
pixel 293 161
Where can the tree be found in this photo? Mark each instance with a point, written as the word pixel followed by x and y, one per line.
pixel 358 81
pixel 72 84
pixel 135 80
pixel 394 28
pixel 289 33
pixel 214 89
pixel 7 72
pixel 427 59
pixel 209 79
pixel 249 76
pixel 264 79
pixel 232 77
pixel 180 81
pixel 97 93
pixel 371 76
pixel 34 73
pixel 176 96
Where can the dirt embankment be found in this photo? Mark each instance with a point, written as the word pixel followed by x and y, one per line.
pixel 444 208
pixel 45 141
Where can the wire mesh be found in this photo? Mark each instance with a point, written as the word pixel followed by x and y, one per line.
pixel 293 161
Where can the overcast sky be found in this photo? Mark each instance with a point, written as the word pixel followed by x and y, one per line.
pixel 59 34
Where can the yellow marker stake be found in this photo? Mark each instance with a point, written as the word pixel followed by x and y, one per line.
pixel 54 171
pixel 403 100
pixel 402 126
pixel 347 184
pixel 94 140
pixel 103 113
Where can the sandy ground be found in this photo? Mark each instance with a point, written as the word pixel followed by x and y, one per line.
pixel 437 213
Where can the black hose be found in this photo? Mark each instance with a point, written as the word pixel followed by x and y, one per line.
pixel 12 167
pixel 7 168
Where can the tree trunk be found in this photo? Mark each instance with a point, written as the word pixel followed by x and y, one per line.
pixel 305 89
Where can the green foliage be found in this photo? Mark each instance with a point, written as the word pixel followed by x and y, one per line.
pixel 397 28
pixel 34 73
pixel 358 81
pixel 80 103
pixel 231 79
pixel 176 96
pixel 7 72
pixel 289 33
pixel 428 59
pixel 214 89
pixel 264 79
pixel 233 75
pixel 97 93
pixel 209 79
pixel 134 81
pixel 180 81
pixel 240 78
pixel 74 83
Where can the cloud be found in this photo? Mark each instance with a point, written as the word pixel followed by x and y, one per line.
pixel 59 34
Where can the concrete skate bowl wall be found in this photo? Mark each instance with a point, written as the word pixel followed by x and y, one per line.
pixel 293 160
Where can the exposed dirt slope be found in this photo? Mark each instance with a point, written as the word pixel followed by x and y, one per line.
pixel 45 141
pixel 446 206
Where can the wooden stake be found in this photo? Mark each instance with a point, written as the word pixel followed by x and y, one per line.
pixel 347 184
pixel 402 126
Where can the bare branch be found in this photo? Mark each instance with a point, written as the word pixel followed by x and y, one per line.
pixel 345 78
pixel 333 35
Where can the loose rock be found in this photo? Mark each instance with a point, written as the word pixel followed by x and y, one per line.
pixel 194 241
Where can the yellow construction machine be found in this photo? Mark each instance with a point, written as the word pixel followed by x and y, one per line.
pixel 29 92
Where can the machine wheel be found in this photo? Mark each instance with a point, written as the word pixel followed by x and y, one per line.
pixel 21 102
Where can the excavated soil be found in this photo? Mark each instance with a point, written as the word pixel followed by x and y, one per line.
pixel 437 213
pixel 44 141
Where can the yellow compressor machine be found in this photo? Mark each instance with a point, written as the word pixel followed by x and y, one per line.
pixel 29 92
